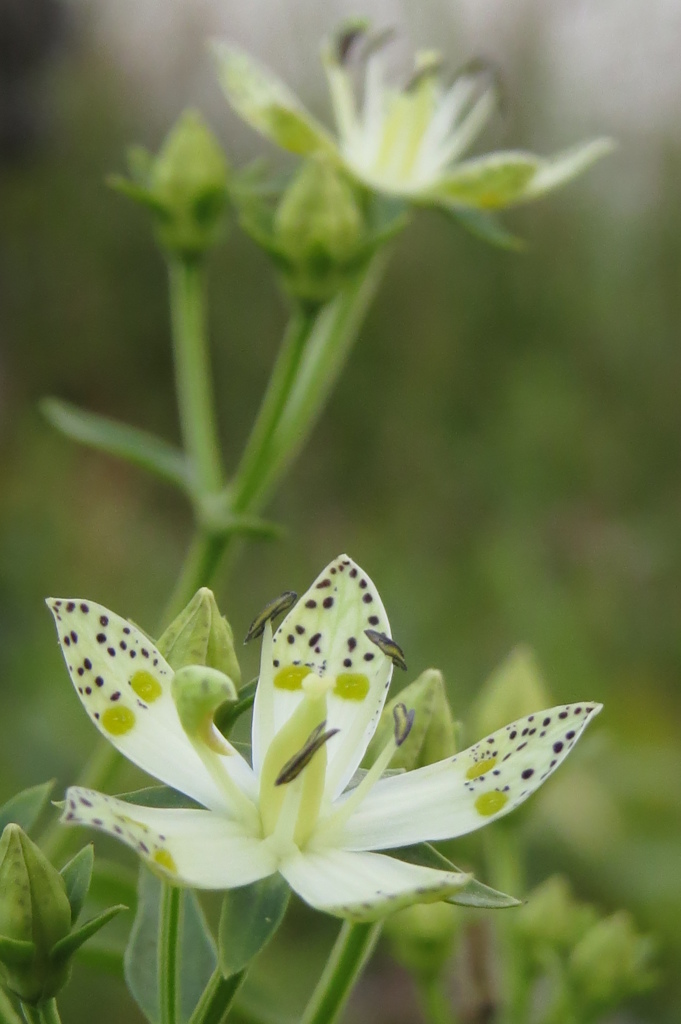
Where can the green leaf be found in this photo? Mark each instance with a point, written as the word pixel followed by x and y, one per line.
pixel 16 952
pixel 487 228
pixel 159 796
pixel 120 440
pixel 25 808
pixel 67 946
pixel 198 954
pixel 473 894
pixel 250 917
pixel 77 875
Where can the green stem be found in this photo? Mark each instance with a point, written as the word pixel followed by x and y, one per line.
pixel 217 997
pixel 200 564
pixel 349 956
pixel 193 374
pixel 44 1013
pixel 435 1004
pixel 8 1015
pixel 253 460
pixel 505 869
pixel 168 953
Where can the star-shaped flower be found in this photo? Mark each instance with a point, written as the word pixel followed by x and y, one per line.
pixel 302 807
pixel 405 142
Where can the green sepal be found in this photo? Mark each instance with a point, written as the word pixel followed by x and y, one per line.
pixel 487 228
pixel 25 808
pixel 198 956
pixel 139 447
pixel 138 193
pixel 77 875
pixel 159 796
pixel 16 952
pixel 473 894
pixel 67 946
pixel 249 918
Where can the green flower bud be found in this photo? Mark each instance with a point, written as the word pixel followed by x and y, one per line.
pixel 185 186
pixel 610 963
pixel 553 918
pixel 200 635
pixel 433 733
pixel 35 914
pixel 422 937
pixel 514 690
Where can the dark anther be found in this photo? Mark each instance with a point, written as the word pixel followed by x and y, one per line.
pixel 313 743
pixel 388 646
pixel 280 605
pixel 403 722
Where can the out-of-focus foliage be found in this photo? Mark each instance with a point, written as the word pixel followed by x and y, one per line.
pixel 503 454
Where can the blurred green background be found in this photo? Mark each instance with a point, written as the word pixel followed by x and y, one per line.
pixel 503 452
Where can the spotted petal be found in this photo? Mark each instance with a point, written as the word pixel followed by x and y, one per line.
pixel 460 794
pixel 365 886
pixel 325 634
pixel 192 847
pixel 123 682
pixel 264 102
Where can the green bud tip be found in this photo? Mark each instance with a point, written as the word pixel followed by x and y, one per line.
pixel 200 635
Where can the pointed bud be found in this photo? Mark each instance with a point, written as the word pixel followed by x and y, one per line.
pixel 514 690
pixel 422 937
pixel 319 237
pixel 200 635
pixel 35 914
pixel 432 734
pixel 185 186
pixel 611 962
pixel 198 692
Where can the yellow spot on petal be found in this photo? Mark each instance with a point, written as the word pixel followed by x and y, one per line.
pixel 351 686
pixel 291 677
pixel 480 768
pixel 118 721
pixel 490 803
pixel 146 686
pixel 165 860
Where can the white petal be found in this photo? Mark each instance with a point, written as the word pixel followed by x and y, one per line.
pixel 124 682
pixel 199 848
pixel 557 170
pixel 364 886
pixel 325 632
pixel 458 795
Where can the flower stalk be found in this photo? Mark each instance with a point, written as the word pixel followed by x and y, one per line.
pixel 349 957
pixel 169 953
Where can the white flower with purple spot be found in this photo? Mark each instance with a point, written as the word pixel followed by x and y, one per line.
pixel 405 142
pixel 298 808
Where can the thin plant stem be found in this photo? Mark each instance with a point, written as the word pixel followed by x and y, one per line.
pixel 505 868
pixel 200 565
pixel 436 1006
pixel 168 953
pixel 193 374
pixel 217 998
pixel 253 460
pixel 8 1015
pixel 349 956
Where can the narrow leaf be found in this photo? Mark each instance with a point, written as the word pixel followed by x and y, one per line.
pixel 67 946
pixel 472 894
pixel 120 440
pixel 250 917
pixel 26 807
pixel 159 796
pixel 77 875
pixel 487 228
pixel 198 954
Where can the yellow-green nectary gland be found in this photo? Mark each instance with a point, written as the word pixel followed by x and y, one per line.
pixel 165 860
pixel 146 686
pixel 490 803
pixel 351 686
pixel 291 677
pixel 118 721
pixel 480 767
